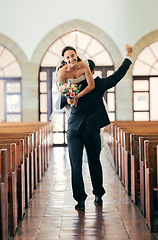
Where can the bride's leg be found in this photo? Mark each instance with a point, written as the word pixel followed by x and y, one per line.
pixel 75 146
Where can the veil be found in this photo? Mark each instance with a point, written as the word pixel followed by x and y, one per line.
pixel 56 99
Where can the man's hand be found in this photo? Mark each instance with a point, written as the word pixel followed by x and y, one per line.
pixel 73 101
pixel 129 50
pixel 70 101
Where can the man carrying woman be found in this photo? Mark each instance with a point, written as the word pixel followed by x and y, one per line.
pixel 85 122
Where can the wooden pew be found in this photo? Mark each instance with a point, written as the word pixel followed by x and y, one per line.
pixel 23 172
pixel 127 162
pixel 153 142
pixel 46 130
pixel 122 155
pixel 136 170
pixel 133 155
pixel 131 163
pixel 150 158
pixel 42 153
pixel 3 194
pixel 21 180
pixel 32 149
pixel 12 186
pixel 142 174
pixel 30 154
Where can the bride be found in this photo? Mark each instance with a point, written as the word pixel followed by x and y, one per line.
pixel 71 69
pixel 74 70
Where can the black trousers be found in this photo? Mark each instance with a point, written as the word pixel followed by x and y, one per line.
pixel 77 139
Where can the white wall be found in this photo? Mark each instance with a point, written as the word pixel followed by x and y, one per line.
pixel 1 100
pixel 27 22
pixel 28 27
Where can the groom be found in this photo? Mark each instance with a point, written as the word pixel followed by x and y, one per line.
pixel 84 125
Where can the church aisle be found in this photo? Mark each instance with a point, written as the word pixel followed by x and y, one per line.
pixel 52 216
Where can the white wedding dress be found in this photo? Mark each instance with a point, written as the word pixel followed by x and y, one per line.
pixel 76 80
pixel 54 117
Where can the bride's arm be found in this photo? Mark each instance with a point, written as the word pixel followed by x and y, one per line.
pixel 90 81
pixel 61 76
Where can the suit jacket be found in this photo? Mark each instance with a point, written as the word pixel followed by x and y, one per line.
pixel 90 108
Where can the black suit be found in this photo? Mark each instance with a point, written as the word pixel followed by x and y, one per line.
pixel 84 126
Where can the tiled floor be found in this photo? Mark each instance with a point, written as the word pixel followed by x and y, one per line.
pixel 51 214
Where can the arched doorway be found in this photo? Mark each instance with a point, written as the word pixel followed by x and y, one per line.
pixel 145 84
pixel 91 48
pixel 10 87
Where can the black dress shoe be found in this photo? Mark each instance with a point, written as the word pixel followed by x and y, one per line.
pixel 98 201
pixel 80 206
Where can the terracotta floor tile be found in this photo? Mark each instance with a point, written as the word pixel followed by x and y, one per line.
pixel 24 238
pixel 48 238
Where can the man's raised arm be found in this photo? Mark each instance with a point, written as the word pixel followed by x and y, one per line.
pixel 112 80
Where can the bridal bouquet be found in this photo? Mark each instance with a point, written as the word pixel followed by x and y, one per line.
pixel 69 90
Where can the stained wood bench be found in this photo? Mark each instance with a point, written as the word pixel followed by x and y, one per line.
pixel 3 194
pixel 126 144
pixel 11 185
pixel 125 148
pixel 32 149
pixel 151 181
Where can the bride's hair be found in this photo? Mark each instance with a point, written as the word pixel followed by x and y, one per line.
pixel 62 54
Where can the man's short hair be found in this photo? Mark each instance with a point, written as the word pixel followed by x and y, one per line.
pixel 91 64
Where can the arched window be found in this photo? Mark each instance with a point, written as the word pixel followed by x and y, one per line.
pixel 10 87
pixel 92 49
pixel 145 84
